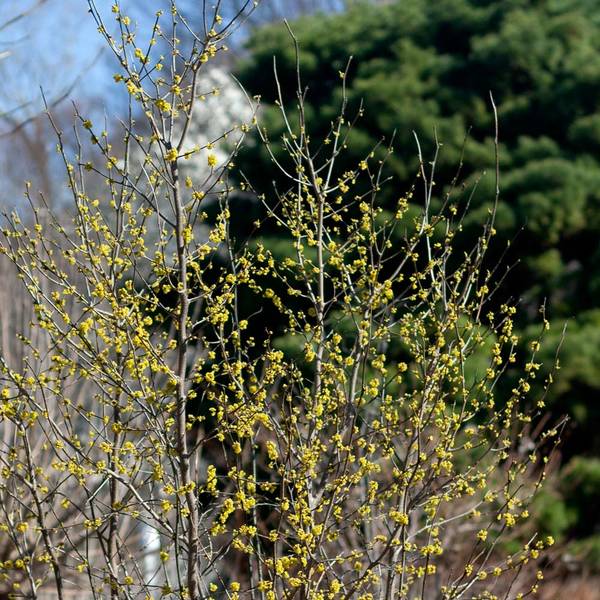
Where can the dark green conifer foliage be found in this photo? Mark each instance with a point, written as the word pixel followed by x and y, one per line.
pixel 428 67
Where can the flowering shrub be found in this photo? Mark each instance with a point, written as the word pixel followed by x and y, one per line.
pixel 158 442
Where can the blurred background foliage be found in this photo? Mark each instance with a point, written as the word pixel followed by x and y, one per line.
pixel 429 67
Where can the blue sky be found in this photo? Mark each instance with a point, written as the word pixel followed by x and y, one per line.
pixel 52 47
pixel 57 47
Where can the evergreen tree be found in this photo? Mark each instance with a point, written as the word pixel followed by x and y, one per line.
pixel 427 68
